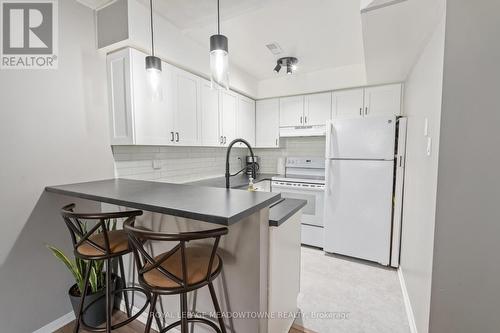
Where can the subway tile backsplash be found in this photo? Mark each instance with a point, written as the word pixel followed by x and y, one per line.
pixel 184 164
pixel 299 146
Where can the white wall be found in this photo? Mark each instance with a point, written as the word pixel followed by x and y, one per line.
pixel 54 130
pixel 466 271
pixel 422 99
pixel 323 80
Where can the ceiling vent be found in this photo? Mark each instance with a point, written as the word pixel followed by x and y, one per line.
pixel 274 48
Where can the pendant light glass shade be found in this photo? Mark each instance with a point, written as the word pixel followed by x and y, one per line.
pixel 219 61
pixel 153 72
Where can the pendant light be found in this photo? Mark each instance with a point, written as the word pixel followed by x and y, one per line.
pixel 153 63
pixel 219 60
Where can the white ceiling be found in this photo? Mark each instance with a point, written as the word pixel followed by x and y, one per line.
pixel 320 33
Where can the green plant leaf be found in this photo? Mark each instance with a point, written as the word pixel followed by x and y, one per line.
pixel 93 279
pixel 70 264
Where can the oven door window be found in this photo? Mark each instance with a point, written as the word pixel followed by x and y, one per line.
pixel 310 207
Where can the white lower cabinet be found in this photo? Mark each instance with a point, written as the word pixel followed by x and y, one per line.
pixel 267 123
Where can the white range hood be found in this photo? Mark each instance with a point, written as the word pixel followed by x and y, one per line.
pixel 295 131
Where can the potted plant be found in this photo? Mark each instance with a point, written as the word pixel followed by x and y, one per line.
pixel 95 315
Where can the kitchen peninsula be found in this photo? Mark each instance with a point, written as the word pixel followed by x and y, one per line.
pixel 261 257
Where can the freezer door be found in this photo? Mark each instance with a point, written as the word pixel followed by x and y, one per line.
pixel 370 138
pixel 358 209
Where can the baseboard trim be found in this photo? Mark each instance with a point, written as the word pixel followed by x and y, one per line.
pixel 406 299
pixel 57 324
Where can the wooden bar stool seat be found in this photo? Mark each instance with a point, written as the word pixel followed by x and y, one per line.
pixel 118 243
pixel 197 259
pixel 182 269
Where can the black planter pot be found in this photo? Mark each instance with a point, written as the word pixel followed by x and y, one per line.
pixel 95 315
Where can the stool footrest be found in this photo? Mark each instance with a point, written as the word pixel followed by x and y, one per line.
pixel 124 322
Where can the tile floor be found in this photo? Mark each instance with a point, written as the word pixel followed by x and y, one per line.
pixel 351 296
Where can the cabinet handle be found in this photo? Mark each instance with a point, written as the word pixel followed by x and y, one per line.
pixel 276 142
pixel 221 140
pixel 305 120
pixel 301 120
pixel 172 139
pixel 225 140
pixel 360 111
pixel 177 134
pixel 366 110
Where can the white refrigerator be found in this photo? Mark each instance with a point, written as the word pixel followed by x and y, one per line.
pixel 364 185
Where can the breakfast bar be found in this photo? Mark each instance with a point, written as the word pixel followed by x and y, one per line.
pixel 259 284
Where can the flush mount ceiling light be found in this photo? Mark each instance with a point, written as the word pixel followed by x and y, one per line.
pixel 152 63
pixel 219 60
pixel 289 62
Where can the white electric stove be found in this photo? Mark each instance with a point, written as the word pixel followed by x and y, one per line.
pixel 305 179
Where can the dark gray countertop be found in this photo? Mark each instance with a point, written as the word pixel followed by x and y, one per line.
pixel 210 204
pixel 235 182
pixel 283 210
pixel 278 213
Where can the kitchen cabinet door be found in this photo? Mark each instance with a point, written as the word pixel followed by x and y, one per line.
pixel 318 109
pixel 383 100
pixel 228 108
pixel 267 116
pixel 187 99
pixel 209 113
pixel 246 120
pixel 153 110
pixel 121 127
pixel 348 103
pixel 292 111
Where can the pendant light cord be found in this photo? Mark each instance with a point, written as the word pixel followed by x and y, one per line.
pixel 152 29
pixel 218 18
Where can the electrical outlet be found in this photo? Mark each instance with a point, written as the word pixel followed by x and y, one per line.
pixel 156 164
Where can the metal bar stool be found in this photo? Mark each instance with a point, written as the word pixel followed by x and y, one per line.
pixel 96 244
pixel 178 271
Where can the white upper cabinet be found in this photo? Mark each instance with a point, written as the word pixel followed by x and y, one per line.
pixel 228 108
pixel 363 102
pixel 318 109
pixel 121 127
pixel 138 116
pixel 291 110
pixel 246 120
pixel 267 115
pixel 348 103
pixel 187 102
pixel 210 133
pixel 383 100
